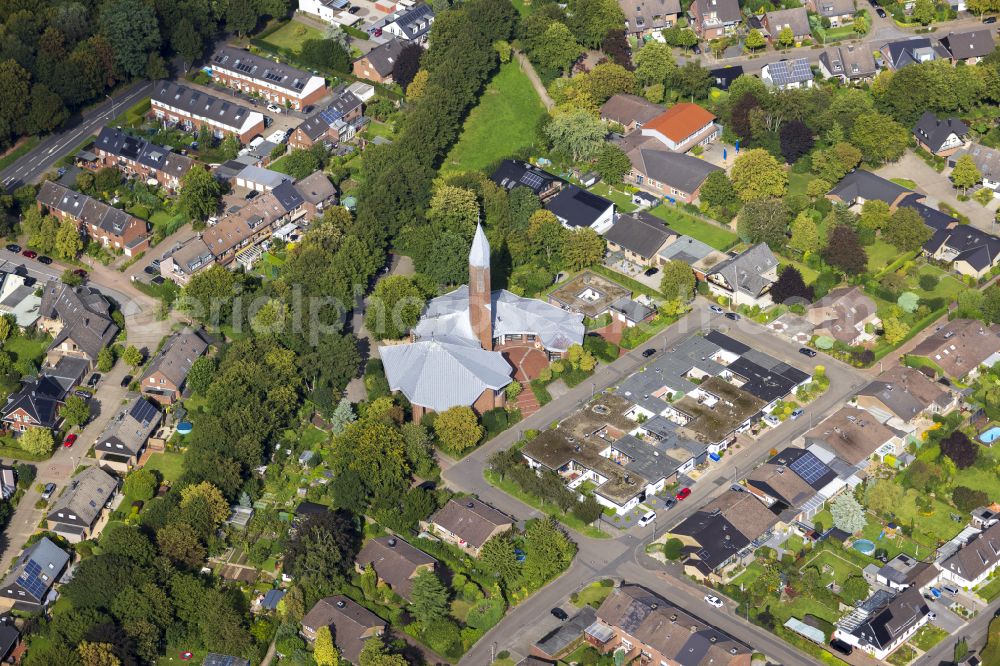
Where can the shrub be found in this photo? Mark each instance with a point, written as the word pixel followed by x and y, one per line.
pixel 928 282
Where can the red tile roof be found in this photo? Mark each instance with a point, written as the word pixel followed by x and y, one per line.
pixel 680 121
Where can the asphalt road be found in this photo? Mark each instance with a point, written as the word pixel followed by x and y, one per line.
pixel 974 632
pixel 43 156
pixel 624 557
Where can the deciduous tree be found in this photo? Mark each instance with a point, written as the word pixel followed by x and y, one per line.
pixel 854 589
pixel 754 40
pixel 965 174
pixel 805 234
pixel 576 133
pixel 677 281
pixel 960 449
pixel 394 307
pixel 612 164
pixel 843 251
pixel 557 49
pixel 718 194
pixel 883 496
pixel 458 429
pixel 791 287
pixel 655 64
pixel 200 194
pixel 848 514
pixel 879 138
pixel 757 175
pixel 37 441
pixel 786 37
pixel 324 651
pixel 796 140
pixel 75 411
pixel 906 230
pixel 764 221
pixel 582 248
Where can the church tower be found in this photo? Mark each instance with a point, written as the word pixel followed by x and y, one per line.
pixel 480 310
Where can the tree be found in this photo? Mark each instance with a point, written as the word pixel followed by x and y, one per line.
pixel 967 499
pixel 923 11
pixel 805 234
pixel 754 40
pixel 141 484
pixel 718 194
pixel 499 557
pixel 320 553
pixel 791 287
pixel 673 549
pixel 180 543
pixel 97 654
pixel 325 54
pixel 960 449
pixel 324 651
pixel 612 164
pixel 617 48
pixel 132 356
pixel 376 653
pixel 854 589
pixel 37 441
pixel 906 230
pixel 547 551
pixel 883 496
pixel 304 161
pixel 757 175
pixel 831 164
pixel 786 37
pixel 677 281
pixel 582 248
pixel 201 374
pixel 200 194
pixel 557 49
pixel 860 25
pixel 965 174
pixel 848 514
pixel 407 64
pixel 590 20
pixel 879 138
pixel 655 64
pixel 692 80
pixel 75 411
pixel 416 89
pixel 576 133
pixel 763 221
pixel 428 598
pixel 894 329
pixel 187 41
pixel 843 250
pixel 605 80
pixel 394 307
pixel 131 28
pixel 796 140
pixel 874 216
pixel 105 359
pixel 458 429
pixel 107 179
pixel 207 500
pixel 924 476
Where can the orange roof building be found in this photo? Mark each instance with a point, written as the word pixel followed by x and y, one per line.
pixel 683 126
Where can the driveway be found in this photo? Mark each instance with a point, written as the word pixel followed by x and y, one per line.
pixel 938 188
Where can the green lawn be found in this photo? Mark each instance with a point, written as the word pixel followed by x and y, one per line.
pixel 291 35
pixel 797 182
pixel 706 232
pixel 22 347
pixel 902 656
pixel 168 463
pixel 948 285
pixel 592 595
pixel 623 201
pixel 880 255
pixel 927 637
pixel 502 123
pixel 19 152
pixel 826 561
pixel 991 590
pixel 905 182
pixel 568 519
pixel 982 475
pixel 166 223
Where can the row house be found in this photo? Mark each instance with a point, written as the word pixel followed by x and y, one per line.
pixel 715 18
pixel 82 510
pixel 138 157
pixel 276 82
pixel 193 109
pixel 109 226
pixel 338 122
pixel 253 222
pixel 166 374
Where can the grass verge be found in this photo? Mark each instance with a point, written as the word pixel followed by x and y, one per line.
pixel 568 520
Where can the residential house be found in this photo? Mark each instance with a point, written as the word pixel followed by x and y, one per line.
pixel 594 296
pixel 675 176
pixel 276 82
pixel 881 624
pixel 682 127
pixel 797 19
pixel 18 299
pixel 904 571
pixel 317 193
pixel 639 237
pixel 968 250
pixel 10 641
pixel 80 512
pixel 795 480
pixel 577 208
pixel 629 111
pixel 109 226
pixel 651 630
pixel 788 74
pixel 969 47
pixel 860 186
pixel 253 222
pixel 395 561
pixel 338 122
pixel 468 523
pixel 745 279
pixel 723 532
pixel 166 374
pixel 135 156
pixel 350 623
pixel 941 137
pixel 983 517
pixel 987 160
pixel 902 396
pixel 35 405
pixel 192 109
pixel 844 314
pixel 410 23
pixel 696 254
pixel 325 10
pixel 79 319
pixel 121 445
pixel 723 76
pixel 715 18
pixel 182 261
pixel 850 63
pixel 30 580
pixel 261 179
pixel 960 347
pixel 563 639
pixel 840 12
pixel 905 52
pixel 647 17
pixel 515 173
pixel 854 436
pixel 377 64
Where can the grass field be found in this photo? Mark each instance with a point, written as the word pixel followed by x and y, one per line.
pixel 291 35
pixel 991 590
pixel 927 637
pixel 592 595
pixel 623 201
pixel 880 255
pixel 169 464
pixel 502 123
pixel 682 223
pixel 832 567
pixel 22 347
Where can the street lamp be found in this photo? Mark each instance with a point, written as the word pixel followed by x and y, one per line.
pixel 112 100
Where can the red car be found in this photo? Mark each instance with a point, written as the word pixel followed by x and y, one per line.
pixel 70 440
pixel 682 493
pixel 30 254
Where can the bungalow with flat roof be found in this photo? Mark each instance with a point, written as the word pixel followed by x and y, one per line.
pixel 682 127
pixel 796 19
pixel 578 208
pixel 844 314
pixel 942 137
pixel 124 439
pixel 639 237
pixel 850 63
pixel 81 512
pixel 350 623
pixel 647 17
pixel 377 64
pixel 166 374
pixel 468 523
pixel 711 19
pixel 745 279
pixel 860 186
pixel 987 160
pixel 959 347
pixel 900 396
pixel 629 111
pixel 839 12
pixel 396 562
pixel 854 436
pixel 969 47
pixel 973 563
pixel 29 583
pixel 885 621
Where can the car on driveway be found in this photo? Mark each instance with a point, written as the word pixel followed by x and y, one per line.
pixel 881 12
pixel 842 647
pixel 669 503
pixel 274 108
pixel 30 254
pixel 646 518
pixel 13 247
pixel 648 352
pixel 49 489
pixel 716 309
pixel 80 393
pixel 990 19
pixel 44 260
pixel 811 353
pixel 70 440
pixel 559 614
pixel 732 315
pixel 713 601
pixel 126 380
pixel 354 10
pixel 682 493
pixel 149 270
pixel 650 272
pixel 94 379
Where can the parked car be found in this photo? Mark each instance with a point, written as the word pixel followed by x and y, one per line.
pixel 252 194
pixel 378 32
pixel 797 412
pixel 80 393
pixel 274 108
pixel 49 489
pixel 990 19
pixel 44 260
pixel 669 503
pixel 713 601
pixel 648 352
pixel 881 12
pixel 716 309
pixel 94 379
pixel 647 518
pixel 30 254
pixel 732 315
pixel 811 353
pixel 155 263
pixel 70 440
pixel 354 10
pixel 771 420
pixel 950 589
pixel 842 647
pixel 650 272
pixel 13 247
pixel 560 614
pixel 149 270
pixel 683 493
pixel 126 380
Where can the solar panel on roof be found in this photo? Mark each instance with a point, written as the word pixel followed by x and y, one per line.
pixel 809 467
pixel 31 581
pixel 532 180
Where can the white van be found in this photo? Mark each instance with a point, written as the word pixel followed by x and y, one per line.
pixel 647 518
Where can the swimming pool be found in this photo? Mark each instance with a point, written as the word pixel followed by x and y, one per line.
pixel 990 436
pixel 864 546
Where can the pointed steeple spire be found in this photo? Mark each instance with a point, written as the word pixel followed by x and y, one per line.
pixel 479 255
